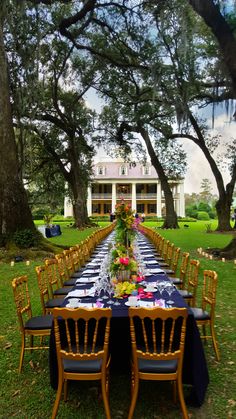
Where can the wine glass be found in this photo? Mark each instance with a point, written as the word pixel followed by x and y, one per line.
pixel 170 289
pixel 110 291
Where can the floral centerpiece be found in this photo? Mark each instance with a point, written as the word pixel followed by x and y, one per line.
pixel 123 264
pixel 126 225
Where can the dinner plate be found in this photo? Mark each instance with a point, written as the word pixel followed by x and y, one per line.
pixel 128 304
pixel 154 289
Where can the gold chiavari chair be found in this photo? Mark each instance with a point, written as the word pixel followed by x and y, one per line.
pixel 205 316
pixel 54 279
pixel 157 339
pixel 180 282
pixel 30 326
pixel 47 303
pixel 82 349
pixel 192 283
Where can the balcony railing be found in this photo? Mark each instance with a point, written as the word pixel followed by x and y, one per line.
pixel 101 196
pixel 125 195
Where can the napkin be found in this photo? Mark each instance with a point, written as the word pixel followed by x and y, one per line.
pixel 156 271
pixel 91 271
pixel 86 280
pixel 151 262
pixel 151 304
pixel 81 293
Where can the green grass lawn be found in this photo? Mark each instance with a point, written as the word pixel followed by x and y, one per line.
pixel 29 394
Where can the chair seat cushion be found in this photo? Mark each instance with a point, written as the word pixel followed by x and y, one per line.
pixel 176 281
pixel 39 322
pixel 70 282
pixel 200 314
pixel 185 294
pixel 54 302
pixel 78 273
pixel 155 367
pixel 62 291
pixel 82 366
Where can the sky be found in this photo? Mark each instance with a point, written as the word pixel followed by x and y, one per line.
pixel 198 167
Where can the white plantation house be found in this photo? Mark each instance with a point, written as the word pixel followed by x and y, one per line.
pixel 137 184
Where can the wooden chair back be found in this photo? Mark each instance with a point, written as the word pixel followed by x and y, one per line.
pixel 41 272
pixel 158 334
pixel 210 280
pixel 193 272
pixel 22 299
pixel 53 275
pixel 175 260
pixel 81 337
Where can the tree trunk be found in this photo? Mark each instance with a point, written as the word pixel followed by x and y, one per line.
pixel 14 209
pixel 223 209
pixel 79 191
pixel 171 216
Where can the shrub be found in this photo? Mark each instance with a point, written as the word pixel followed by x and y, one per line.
pixel 212 214
pixel 208 228
pixel 26 238
pixel 203 215
pixel 203 206
pixel 191 211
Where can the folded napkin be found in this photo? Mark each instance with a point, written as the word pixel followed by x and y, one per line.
pixel 91 271
pixel 81 293
pixel 85 305
pixel 91 264
pixel 156 271
pixel 151 262
pixel 91 305
pixel 151 304
pixel 86 280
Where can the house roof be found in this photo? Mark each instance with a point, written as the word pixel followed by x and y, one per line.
pixel 112 171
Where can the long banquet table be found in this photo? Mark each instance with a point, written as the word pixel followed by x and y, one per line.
pixel 195 372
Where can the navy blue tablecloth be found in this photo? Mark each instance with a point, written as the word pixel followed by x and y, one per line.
pixel 195 372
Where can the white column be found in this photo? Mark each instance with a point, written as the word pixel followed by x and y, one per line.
pixel 68 208
pixel 134 203
pixel 158 199
pixel 181 200
pixel 113 197
pixel 89 201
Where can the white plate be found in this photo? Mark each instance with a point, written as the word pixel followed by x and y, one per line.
pixel 128 304
pixel 154 289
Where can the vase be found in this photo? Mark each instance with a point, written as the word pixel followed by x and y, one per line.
pixel 123 276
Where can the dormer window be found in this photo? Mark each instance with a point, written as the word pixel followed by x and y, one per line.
pixel 146 170
pixel 123 171
pixel 101 170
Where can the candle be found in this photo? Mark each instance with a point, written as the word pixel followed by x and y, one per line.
pixel 223 259
pixel 27 263
pixel 12 263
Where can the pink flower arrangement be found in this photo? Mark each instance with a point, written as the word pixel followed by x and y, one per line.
pixel 124 261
